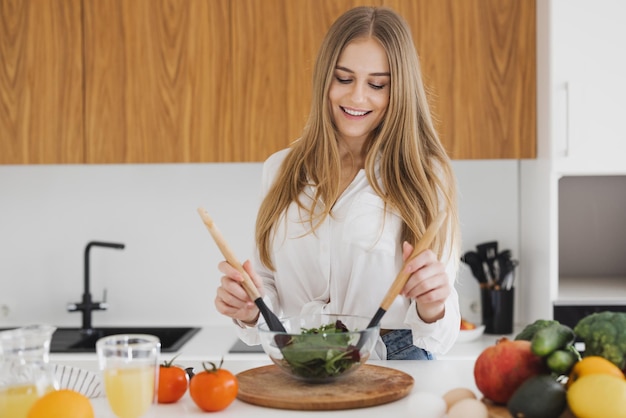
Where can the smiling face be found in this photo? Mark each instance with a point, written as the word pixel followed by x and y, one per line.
pixel 359 91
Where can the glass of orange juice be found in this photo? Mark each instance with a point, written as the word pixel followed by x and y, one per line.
pixel 130 367
pixel 24 372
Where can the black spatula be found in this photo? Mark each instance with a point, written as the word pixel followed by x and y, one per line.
pixel 272 320
pixel 475 262
pixel 402 277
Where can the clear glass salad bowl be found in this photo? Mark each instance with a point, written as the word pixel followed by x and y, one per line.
pixel 320 348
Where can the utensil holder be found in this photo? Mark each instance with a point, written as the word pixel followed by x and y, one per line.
pixel 497 310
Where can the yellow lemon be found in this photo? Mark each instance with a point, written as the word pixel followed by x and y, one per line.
pixel 593 365
pixel 64 403
pixel 598 396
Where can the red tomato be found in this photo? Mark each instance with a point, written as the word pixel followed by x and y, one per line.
pixel 213 389
pixel 173 382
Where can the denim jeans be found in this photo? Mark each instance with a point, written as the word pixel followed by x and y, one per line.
pixel 400 346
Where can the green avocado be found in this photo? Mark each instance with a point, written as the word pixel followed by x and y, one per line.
pixel 538 397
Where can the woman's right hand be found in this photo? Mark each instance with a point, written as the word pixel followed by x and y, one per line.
pixel 231 299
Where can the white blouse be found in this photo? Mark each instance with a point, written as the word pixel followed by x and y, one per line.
pixel 346 266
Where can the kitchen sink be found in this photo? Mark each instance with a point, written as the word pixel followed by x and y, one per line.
pixel 77 340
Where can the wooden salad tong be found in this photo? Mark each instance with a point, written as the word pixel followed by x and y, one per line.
pixel 272 320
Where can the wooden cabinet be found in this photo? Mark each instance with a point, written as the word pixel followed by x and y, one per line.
pixel 41 82
pixel 478 60
pixel 275 44
pixel 157 83
pixel 229 80
pixel 261 68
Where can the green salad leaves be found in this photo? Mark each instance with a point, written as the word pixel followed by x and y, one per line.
pixel 319 353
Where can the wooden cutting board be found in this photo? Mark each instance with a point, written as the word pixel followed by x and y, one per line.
pixel 498 411
pixel 368 386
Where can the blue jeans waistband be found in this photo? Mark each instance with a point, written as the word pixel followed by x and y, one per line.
pixel 399 343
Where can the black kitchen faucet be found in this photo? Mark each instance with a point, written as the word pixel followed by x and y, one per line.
pixel 88 305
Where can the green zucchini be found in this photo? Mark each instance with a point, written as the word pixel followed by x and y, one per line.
pixel 549 339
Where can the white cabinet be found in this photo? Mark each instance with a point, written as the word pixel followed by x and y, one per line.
pixel 581 108
pixel 585 42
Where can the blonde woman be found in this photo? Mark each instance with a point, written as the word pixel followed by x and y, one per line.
pixel 344 204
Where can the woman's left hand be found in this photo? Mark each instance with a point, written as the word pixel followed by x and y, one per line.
pixel 428 283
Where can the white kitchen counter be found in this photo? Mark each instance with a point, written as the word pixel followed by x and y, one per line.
pixel 213 344
pixel 436 377
pixel 455 369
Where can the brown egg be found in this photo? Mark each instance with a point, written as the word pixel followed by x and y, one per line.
pixel 468 408
pixel 458 394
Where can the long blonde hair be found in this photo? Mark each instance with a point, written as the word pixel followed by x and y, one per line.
pixel 416 178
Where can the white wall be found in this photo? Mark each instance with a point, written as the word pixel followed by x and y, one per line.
pixel 167 273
